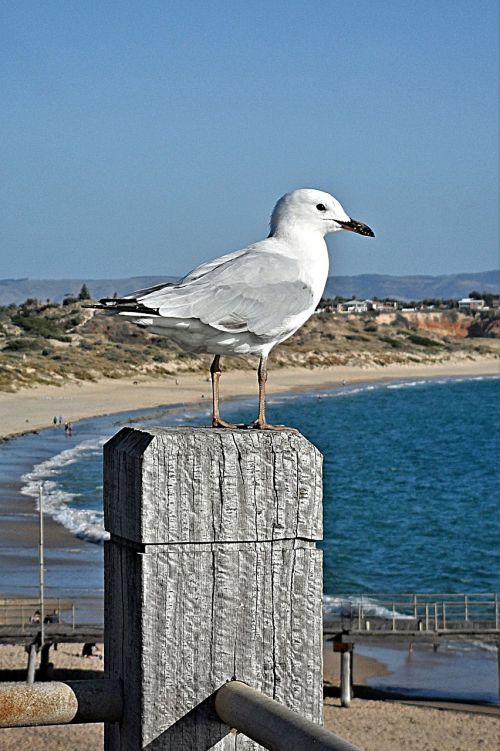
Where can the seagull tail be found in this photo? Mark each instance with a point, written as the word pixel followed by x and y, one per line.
pixel 115 305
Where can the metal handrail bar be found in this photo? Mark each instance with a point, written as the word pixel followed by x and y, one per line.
pixel 57 703
pixel 271 724
pixel 262 719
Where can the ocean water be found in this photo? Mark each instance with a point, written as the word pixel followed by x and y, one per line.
pixel 411 480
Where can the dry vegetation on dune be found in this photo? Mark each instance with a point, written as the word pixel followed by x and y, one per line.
pixel 48 343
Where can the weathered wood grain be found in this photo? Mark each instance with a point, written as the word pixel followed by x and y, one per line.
pixel 205 485
pixel 227 582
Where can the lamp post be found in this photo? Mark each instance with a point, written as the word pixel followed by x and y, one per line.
pixel 41 567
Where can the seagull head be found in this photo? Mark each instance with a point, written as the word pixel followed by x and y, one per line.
pixel 313 210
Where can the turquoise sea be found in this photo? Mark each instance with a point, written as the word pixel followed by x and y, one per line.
pixel 411 479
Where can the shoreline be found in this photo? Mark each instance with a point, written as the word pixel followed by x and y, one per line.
pixel 101 400
pixel 30 410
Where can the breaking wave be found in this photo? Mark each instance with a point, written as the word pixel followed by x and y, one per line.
pixel 348 606
pixel 63 506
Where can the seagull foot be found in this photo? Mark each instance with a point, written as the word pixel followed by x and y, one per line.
pixel 258 425
pixel 218 423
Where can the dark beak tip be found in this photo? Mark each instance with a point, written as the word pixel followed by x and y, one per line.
pixel 361 229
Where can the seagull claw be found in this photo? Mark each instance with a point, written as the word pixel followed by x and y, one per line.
pixel 259 425
pixel 218 423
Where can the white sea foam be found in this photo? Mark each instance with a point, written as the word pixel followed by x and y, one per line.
pixel 87 524
pixel 485 646
pixel 406 384
pixel 348 606
pixel 471 646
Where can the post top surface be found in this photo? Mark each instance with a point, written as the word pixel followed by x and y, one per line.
pixel 193 484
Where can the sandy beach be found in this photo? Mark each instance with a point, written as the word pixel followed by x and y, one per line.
pixel 34 409
pixel 372 725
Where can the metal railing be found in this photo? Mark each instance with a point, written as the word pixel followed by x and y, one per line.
pixel 271 724
pixel 17 611
pixel 426 611
pixel 239 706
pixel 57 703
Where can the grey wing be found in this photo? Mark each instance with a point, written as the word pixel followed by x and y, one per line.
pixel 256 291
pixel 208 266
pixel 196 273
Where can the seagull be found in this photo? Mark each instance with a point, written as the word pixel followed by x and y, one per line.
pixel 246 302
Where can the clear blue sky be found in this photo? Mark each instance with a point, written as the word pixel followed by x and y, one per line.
pixel 145 137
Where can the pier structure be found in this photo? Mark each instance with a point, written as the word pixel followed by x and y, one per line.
pixel 425 618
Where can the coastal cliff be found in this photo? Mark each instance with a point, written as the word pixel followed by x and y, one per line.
pixel 48 343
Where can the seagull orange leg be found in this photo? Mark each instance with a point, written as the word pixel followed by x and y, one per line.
pixel 215 373
pixel 262 379
pixel 261 423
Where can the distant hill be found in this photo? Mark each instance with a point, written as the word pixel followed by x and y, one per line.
pixel 360 286
pixel 19 290
pixel 451 286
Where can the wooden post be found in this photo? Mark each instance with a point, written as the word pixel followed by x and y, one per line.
pixel 211 573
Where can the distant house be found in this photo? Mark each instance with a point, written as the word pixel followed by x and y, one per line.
pixel 355 306
pixel 469 303
pixel 384 306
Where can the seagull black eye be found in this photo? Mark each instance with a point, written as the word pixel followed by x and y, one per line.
pixel 321 207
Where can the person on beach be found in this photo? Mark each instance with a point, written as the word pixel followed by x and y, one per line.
pixel 52 617
pixel 87 649
pixel 35 618
pixel 91 651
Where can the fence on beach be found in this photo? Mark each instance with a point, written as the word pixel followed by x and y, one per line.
pixel 213 598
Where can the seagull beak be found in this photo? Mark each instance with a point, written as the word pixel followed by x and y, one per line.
pixel 354 226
